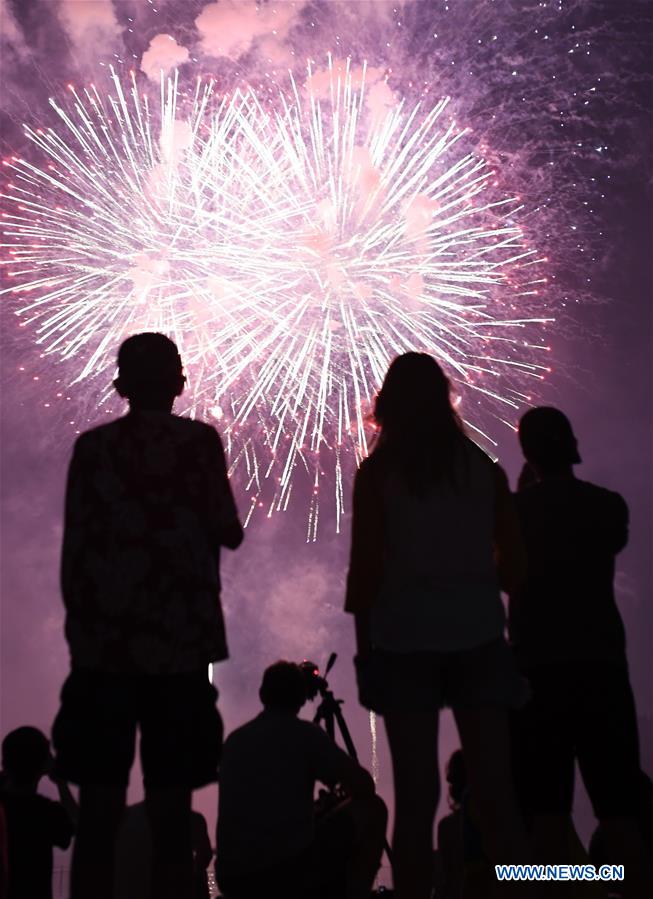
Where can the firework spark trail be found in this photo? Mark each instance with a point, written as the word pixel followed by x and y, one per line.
pixel 290 253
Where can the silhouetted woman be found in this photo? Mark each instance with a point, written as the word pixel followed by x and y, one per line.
pixel 433 535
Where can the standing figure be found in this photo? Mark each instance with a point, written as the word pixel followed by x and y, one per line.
pixel 434 536
pixel 148 506
pixel 33 824
pixel 569 641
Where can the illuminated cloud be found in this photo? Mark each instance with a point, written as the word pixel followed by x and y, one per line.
pixel 91 25
pixel 231 27
pixel 163 55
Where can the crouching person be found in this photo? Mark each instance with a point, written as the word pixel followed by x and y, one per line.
pixel 270 840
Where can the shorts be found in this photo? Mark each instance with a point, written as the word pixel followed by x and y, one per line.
pixel 579 711
pixel 485 675
pixel 94 734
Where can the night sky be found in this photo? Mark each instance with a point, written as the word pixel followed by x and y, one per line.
pixel 559 94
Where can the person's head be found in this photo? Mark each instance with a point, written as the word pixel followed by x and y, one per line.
pixel 25 755
pixel 283 687
pixel 150 372
pixel 456 775
pixel 418 423
pixel 548 441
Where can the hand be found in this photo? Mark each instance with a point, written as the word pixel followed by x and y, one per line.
pixel 50 771
pixel 48 767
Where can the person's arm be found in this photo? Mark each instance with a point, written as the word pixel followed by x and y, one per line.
pixel 356 781
pixel 202 851
pixel 362 633
pixel 366 557
pixel 67 800
pixel 618 524
pixel 76 517
pixel 333 766
pixel 66 797
pixel 509 549
pixel 61 828
pixel 229 529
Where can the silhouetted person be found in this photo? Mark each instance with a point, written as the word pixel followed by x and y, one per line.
pixel 134 855
pixel 148 506
pixel 569 640
pixel 33 823
pixel 450 829
pixel 268 841
pixel 433 532
pixel 468 873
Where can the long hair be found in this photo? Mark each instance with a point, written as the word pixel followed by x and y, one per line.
pixel 420 431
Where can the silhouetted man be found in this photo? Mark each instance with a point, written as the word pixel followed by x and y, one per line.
pixel 34 824
pixel 269 843
pixel 148 506
pixel 569 640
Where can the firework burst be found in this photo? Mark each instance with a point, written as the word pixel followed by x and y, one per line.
pixel 291 253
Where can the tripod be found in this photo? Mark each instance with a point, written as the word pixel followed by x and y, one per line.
pixel 329 715
pixel 329 711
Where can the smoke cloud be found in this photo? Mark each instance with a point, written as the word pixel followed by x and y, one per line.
pixel 163 55
pixel 91 26
pixel 11 35
pixel 230 28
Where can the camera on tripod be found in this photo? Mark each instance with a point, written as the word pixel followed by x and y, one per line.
pixel 313 680
pixel 329 712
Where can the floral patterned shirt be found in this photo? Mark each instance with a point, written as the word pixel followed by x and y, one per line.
pixel 147 500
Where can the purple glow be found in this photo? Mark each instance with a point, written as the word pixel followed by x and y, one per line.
pixel 556 95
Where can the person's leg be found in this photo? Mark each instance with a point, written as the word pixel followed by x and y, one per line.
pixel 92 869
pixel 370 819
pixel 413 741
pixel 481 685
pixel 181 740
pixel 172 857
pixel 94 738
pixel 543 761
pixel 484 736
pixel 349 842
pixel 608 758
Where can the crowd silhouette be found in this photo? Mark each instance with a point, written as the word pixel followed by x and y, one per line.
pixel 437 536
